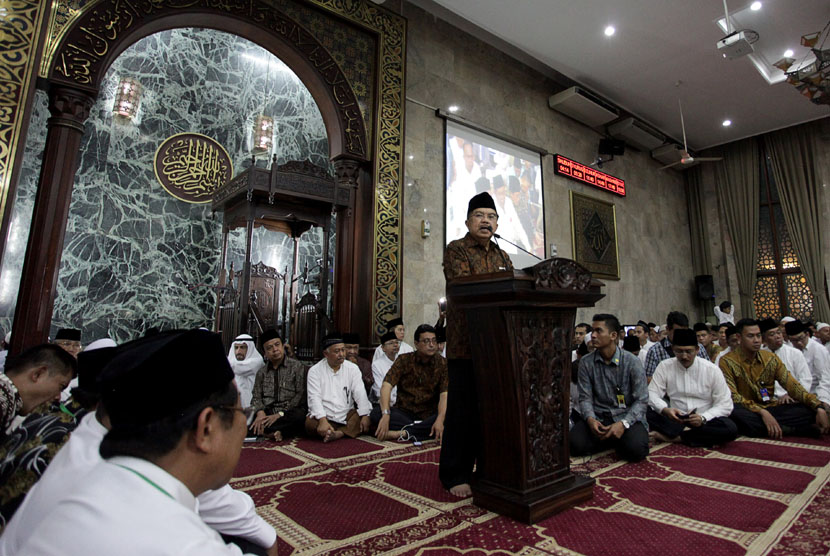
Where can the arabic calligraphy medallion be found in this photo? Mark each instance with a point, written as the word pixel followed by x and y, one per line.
pixel 191 167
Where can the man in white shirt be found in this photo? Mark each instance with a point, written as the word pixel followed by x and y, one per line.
pixel 732 341
pixel 396 327
pixel 823 334
pixel 792 358
pixel 245 361
pixel 228 511
pixel 641 332
pixel 818 360
pixel 142 499
pixel 390 347
pixel 700 402
pixel 335 385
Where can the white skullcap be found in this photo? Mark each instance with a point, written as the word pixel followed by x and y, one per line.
pixel 657 328
pixel 820 325
pixel 788 319
pixel 102 343
pixel 8 336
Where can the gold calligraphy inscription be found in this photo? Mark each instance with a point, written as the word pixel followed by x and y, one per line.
pixel 191 167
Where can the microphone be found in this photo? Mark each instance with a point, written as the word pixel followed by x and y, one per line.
pixel 497 236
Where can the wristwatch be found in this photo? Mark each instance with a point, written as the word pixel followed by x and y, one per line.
pixel 625 423
pixel 702 420
pixel 281 413
pixel 386 411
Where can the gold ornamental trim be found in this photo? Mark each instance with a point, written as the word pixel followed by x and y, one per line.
pixel 192 166
pixel 21 27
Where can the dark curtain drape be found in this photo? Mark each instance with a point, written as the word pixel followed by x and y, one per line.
pixel 701 259
pixel 792 153
pixel 737 178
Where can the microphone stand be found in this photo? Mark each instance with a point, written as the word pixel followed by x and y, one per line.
pixel 497 236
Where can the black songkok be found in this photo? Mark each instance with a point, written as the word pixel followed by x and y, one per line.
pixel 90 365
pixel 795 327
pixel 332 339
pixel 652 325
pixel 482 200
pixel 701 327
pixel 644 324
pixel 684 337
pixel 391 324
pixel 159 377
pixel 388 336
pixel 71 334
pixel 631 343
pixel 767 324
pixel 731 329
pixel 267 336
pixel 351 338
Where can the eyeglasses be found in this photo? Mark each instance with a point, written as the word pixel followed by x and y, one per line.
pixel 430 341
pixel 246 411
pixel 67 343
pixel 486 216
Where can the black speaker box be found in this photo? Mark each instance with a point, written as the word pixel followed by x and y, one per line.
pixel 704 287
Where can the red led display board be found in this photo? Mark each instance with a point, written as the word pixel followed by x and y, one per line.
pixel 579 172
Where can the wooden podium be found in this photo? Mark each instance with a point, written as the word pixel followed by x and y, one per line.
pixel 521 324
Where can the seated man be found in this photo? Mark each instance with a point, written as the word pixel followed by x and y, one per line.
pixel 334 387
pixel 818 360
pixel 751 374
pixel 792 358
pixel 612 397
pixel 422 380
pixel 36 376
pixel 631 344
pixel 732 341
pixel 228 511
pixel 396 326
pixel 662 350
pixel 641 332
pixel 352 342
pixel 246 362
pixel 158 457
pixel 707 340
pixel 699 402
pixel 389 345
pixel 279 391
pixel 69 339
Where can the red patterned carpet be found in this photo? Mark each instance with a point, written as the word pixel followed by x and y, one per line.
pixel 356 497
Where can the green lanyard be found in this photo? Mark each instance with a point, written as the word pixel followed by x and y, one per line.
pixel 65 410
pixel 151 483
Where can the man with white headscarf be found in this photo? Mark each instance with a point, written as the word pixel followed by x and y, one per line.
pixel 245 361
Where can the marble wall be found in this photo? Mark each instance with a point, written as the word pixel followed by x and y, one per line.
pixel 446 66
pixel 134 256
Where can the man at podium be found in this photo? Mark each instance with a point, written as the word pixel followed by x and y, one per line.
pixel 475 253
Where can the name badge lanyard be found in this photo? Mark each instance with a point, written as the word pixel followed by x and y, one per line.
pixel 147 480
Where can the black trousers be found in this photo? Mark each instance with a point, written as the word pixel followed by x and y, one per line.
pixel 246 546
pixel 400 419
pixel 461 443
pixel 290 424
pixel 631 446
pixel 795 419
pixel 716 431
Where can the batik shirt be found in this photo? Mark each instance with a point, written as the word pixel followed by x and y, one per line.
pixel 465 257
pixel 10 403
pixel 746 375
pixel 420 383
pixel 279 389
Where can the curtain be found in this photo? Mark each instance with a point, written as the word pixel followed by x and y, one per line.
pixel 737 177
pixel 792 152
pixel 701 259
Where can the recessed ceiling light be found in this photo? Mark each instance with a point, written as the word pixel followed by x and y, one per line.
pixel 727 123
pixel 788 53
pixel 610 30
pixel 411 157
pixel 453 108
pixel 755 6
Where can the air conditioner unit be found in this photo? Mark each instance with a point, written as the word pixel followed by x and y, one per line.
pixel 668 154
pixel 584 106
pixel 637 134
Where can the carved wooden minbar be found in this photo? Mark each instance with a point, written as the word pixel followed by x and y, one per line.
pixel 521 324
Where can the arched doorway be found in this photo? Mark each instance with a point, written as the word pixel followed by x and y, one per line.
pixel 85 44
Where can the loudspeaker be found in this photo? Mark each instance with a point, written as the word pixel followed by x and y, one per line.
pixel 705 287
pixel 614 147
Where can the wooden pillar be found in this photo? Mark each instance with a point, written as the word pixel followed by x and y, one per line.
pixel 245 286
pixel 352 298
pixel 38 283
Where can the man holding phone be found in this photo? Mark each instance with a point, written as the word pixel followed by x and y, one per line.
pixel 700 402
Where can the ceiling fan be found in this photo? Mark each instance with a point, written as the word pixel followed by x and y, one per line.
pixel 687 159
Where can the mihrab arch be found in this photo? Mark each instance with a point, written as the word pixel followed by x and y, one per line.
pixel 100 31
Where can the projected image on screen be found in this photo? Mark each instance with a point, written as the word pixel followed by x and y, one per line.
pixel 477 162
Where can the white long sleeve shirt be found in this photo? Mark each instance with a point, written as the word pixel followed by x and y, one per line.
pixel 333 394
pixel 380 367
pixel 227 510
pixel 404 348
pixel 701 387
pixel 818 360
pixel 126 506
pixel 797 366
pixel 644 351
